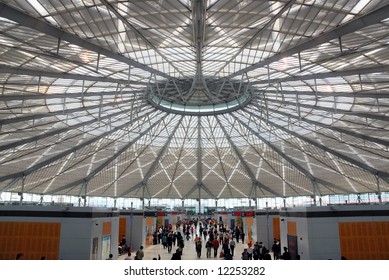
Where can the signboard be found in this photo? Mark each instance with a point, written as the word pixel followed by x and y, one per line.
pixel 292 246
pixel 248 214
pixel 150 214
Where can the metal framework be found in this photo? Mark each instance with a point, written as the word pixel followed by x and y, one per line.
pixel 194 99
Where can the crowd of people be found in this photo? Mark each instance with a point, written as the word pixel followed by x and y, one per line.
pixel 215 239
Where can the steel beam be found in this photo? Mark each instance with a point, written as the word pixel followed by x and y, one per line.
pixel 221 161
pixel 199 153
pixel 192 190
pixel 64 153
pixel 258 33
pixel 178 160
pixel 46 28
pixel 30 117
pixel 341 73
pixel 107 161
pixel 380 117
pixel 155 163
pixel 355 94
pixel 205 188
pixel 59 131
pixel 244 163
pixel 335 128
pixel 136 31
pixel 383 174
pixel 12 97
pixel 67 76
pixel 199 25
pixel 363 21
pixel 301 169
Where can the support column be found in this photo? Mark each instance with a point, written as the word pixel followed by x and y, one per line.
pixel 314 200
pixel 217 212
pixel 143 197
pixel 379 189
pixel 21 198
pixel 22 192
pixel 131 222
pixel 267 226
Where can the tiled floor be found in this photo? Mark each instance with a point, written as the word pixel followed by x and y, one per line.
pixel 189 252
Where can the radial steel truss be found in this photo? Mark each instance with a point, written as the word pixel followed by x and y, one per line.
pixel 194 99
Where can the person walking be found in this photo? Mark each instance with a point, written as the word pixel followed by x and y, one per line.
pixel 215 245
pixel 232 246
pixel 198 248
pixel 208 246
pixel 237 234
pixel 276 248
pixel 169 242
pixel 242 235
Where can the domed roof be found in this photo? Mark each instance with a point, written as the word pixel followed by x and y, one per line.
pixel 194 99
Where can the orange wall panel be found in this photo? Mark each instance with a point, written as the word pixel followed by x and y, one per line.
pixel 32 239
pixel 107 228
pixel 364 240
pixel 160 221
pixel 150 222
pixel 122 228
pixel 292 228
pixel 249 222
pixel 276 229
pixel 239 221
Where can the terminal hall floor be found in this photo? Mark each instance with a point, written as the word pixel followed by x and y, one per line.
pixel 189 252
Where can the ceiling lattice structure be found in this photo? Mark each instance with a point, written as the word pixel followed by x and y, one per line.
pixel 194 99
